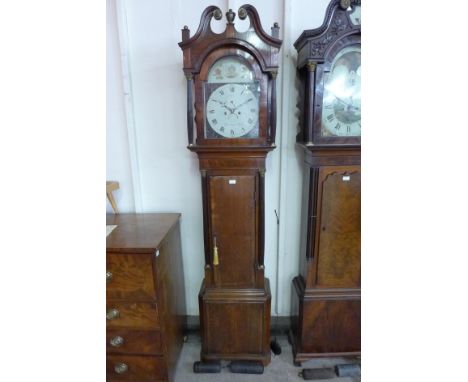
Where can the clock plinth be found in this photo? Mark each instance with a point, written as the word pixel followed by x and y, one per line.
pixel 235 323
pixel 326 295
pixel 231 98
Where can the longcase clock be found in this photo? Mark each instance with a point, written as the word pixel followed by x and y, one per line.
pixel 326 294
pixel 231 120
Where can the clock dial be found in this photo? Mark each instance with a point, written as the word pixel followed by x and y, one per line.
pixel 232 106
pixel 341 107
pixel 230 69
pixel 355 15
pixel 232 110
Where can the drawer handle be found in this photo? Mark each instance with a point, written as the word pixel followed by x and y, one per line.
pixel 120 368
pixel 117 341
pixel 112 313
pixel 108 276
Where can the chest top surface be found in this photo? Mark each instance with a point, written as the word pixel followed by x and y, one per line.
pixel 139 232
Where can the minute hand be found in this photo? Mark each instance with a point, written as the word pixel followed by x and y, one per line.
pixel 243 103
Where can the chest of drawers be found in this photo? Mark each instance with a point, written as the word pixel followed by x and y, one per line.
pixel 145 297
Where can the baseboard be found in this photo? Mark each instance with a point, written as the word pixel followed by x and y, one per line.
pixel 279 325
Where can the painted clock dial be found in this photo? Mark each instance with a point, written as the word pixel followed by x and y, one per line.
pixel 232 100
pixel 341 106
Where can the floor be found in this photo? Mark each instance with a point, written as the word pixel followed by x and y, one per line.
pixel 281 368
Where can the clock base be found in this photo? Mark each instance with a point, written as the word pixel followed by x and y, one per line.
pixel 325 322
pixel 235 323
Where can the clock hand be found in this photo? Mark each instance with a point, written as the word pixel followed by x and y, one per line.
pixel 243 103
pixel 348 105
pixel 223 104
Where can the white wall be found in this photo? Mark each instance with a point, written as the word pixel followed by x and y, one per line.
pixel 118 157
pixel 150 159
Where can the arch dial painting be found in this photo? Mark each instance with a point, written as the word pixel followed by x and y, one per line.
pixel 341 112
pixel 232 100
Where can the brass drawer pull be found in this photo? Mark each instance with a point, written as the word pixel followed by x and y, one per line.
pixel 116 341
pixel 120 368
pixel 112 313
pixel 108 276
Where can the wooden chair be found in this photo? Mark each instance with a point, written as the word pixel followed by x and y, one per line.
pixel 112 186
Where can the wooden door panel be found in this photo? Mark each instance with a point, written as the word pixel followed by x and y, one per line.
pixel 332 326
pixel 234 328
pixel 233 222
pixel 339 252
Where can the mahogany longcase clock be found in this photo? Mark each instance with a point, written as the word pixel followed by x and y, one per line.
pixel 326 294
pixel 231 86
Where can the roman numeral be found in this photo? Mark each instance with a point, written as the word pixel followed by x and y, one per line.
pixel 221 92
pixel 252 110
pixel 212 111
pixel 250 120
pixel 221 128
pixel 330 117
pixel 338 126
pixel 214 121
pixel 348 128
pixel 232 89
pixel 328 106
pixel 232 132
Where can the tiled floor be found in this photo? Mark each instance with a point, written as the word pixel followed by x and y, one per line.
pixel 281 368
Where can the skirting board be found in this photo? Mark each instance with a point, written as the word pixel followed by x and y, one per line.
pixel 279 325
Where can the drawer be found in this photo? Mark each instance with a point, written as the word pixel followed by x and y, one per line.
pixel 122 341
pixel 135 368
pixel 139 315
pixel 130 277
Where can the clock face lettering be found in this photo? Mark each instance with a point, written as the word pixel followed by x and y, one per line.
pixel 341 110
pixel 235 110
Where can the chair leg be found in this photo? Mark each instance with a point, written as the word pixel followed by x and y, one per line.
pixel 112 202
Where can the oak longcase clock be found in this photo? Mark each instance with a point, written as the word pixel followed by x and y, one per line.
pixel 326 294
pixel 231 122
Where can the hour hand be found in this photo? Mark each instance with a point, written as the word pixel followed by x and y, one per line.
pixel 223 104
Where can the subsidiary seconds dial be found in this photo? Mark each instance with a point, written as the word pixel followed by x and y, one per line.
pixel 232 110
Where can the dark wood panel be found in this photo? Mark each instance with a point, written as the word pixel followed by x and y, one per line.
pixel 133 341
pixel 235 323
pixel 233 223
pixel 131 277
pixel 140 368
pixel 234 328
pixel 171 297
pixel 141 315
pixel 331 326
pixel 339 253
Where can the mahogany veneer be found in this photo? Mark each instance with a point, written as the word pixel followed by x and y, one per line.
pixel 235 296
pixel 145 285
pixel 326 295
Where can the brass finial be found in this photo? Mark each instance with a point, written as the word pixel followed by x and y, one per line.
pixel 230 16
pixel 345 4
pixel 217 14
pixel 242 13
